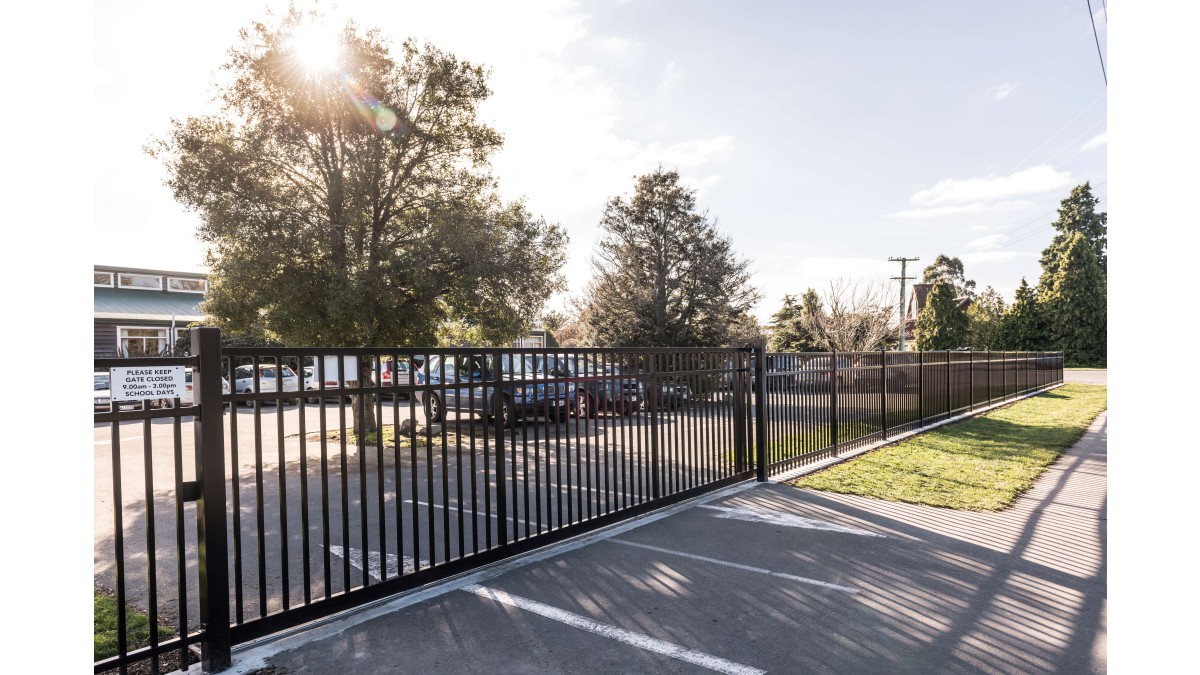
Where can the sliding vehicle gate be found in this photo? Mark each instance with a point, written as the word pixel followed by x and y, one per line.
pixel 330 478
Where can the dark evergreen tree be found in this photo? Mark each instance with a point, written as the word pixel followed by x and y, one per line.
pixel 984 317
pixel 1076 215
pixel 1077 306
pixel 941 325
pixel 664 276
pixel 1023 326
pixel 790 331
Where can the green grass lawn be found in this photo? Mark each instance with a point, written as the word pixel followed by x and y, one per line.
pixel 982 464
pixel 137 627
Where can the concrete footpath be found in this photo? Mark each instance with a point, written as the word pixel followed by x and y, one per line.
pixel 765 578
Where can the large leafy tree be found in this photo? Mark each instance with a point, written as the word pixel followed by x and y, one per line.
pixel 349 202
pixel 984 317
pixel 791 325
pixel 1078 306
pixel 941 324
pixel 1023 327
pixel 663 274
pixel 1076 215
pixel 950 270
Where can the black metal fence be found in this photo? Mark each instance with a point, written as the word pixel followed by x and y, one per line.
pixel 353 474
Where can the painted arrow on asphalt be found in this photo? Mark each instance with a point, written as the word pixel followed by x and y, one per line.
pixel 355 557
pixel 785 519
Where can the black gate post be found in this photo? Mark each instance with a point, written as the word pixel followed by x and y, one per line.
pixel 920 389
pixel 989 378
pixel 760 407
pixel 653 403
pixel 498 430
pixel 949 401
pixel 971 380
pixel 212 539
pixel 883 391
pixel 833 402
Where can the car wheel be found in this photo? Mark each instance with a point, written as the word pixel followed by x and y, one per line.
pixel 585 406
pixel 508 413
pixel 248 404
pixel 312 399
pixel 433 408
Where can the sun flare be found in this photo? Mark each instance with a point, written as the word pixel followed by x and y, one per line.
pixel 316 47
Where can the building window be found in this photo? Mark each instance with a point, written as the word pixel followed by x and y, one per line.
pixel 181 285
pixel 148 281
pixel 104 279
pixel 134 342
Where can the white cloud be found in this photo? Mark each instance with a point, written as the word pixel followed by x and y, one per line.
pixel 617 46
pixel 701 185
pixel 962 209
pixel 1099 140
pixel 990 241
pixel 1035 180
pixel 671 75
pixel 1100 17
pixel 1001 91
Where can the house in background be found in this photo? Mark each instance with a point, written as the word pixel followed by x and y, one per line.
pixel 535 340
pixel 141 312
pixel 918 294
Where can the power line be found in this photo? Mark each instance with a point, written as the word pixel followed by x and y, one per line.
pixel 1096 35
pixel 1055 134
pixel 938 235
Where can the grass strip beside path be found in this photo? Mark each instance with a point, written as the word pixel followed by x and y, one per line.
pixel 981 464
pixel 137 627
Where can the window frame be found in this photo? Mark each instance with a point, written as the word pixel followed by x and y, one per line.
pixel 181 290
pixel 139 288
pixel 111 280
pixel 164 330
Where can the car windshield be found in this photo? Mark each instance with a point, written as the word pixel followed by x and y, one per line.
pixel 516 366
pixel 101 382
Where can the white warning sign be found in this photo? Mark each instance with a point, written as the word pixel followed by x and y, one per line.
pixel 148 382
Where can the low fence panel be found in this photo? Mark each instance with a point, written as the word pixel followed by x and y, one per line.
pixel 340 476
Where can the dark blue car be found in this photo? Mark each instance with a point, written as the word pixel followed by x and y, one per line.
pixel 469 383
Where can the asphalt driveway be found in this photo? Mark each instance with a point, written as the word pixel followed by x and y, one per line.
pixel 765 578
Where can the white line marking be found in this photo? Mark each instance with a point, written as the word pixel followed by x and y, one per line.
pixel 373 568
pixel 453 508
pixel 785 519
pixel 739 566
pixel 123 438
pixel 253 655
pixel 613 633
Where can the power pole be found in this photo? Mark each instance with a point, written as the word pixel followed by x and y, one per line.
pixel 903 270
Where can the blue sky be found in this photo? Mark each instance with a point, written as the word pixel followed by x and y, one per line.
pixel 823 137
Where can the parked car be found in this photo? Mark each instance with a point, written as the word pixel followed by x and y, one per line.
pixel 471 386
pixel 102 396
pixel 268 379
pixel 396 373
pixel 671 395
pixel 312 383
pixel 815 373
pixel 608 388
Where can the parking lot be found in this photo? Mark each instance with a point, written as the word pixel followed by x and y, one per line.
pixel 437 504
pixel 765 578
